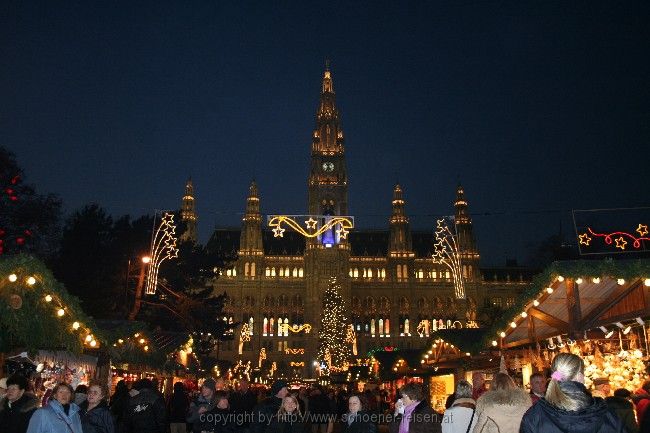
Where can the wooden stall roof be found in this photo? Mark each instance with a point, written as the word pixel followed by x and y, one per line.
pixel 574 297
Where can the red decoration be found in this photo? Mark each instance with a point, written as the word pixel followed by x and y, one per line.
pixel 618 237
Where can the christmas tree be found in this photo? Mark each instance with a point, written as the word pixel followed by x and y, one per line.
pixel 333 350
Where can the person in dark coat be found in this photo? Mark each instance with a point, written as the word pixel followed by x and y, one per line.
pixel 17 407
pixel 267 408
pixel 96 417
pixel 242 403
pixel 120 404
pixel 178 406
pixel 146 412
pixel 217 419
pixel 622 406
pixel 289 419
pixel 321 411
pixel 204 403
pixel 418 415
pixel 357 419
pixel 567 405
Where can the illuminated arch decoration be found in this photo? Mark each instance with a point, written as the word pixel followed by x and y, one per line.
pixel 446 253
pixel 314 225
pixel 619 239
pixel 244 336
pixel 290 351
pixel 163 247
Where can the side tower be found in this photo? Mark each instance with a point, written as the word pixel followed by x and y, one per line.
pixel 250 241
pixel 188 213
pixel 466 241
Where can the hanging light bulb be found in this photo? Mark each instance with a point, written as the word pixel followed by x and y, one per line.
pixel 524 314
pixel 75 325
pixel 89 338
pixel 494 343
pixel 560 278
pixel 549 290
pixel 48 298
pixel 93 343
pixel 61 312
pixel 536 303
pixel 647 282
pixel 620 281
pixel 13 278
pixel 579 281
pixel 502 334
pixel 596 280
pixel 513 325
pixel 31 281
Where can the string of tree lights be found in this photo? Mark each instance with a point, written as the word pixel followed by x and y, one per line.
pixel 333 350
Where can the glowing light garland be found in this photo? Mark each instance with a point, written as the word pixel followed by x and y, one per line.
pixel 299 328
pixel 261 358
pixel 163 247
pixel 446 253
pixel 616 237
pixel 244 336
pixel 316 224
pixel 289 351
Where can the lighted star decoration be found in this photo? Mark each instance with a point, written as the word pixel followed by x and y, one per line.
pixel 316 225
pixel 446 253
pixel 584 239
pixel 311 223
pixel 618 238
pixel 163 247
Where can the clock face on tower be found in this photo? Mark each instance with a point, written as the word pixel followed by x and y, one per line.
pixel 328 166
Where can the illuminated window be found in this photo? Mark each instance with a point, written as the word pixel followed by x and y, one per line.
pixel 356 273
pixel 271 326
pixel 253 269
pixel 250 325
pixel 405 273
pixel 295 272
pixel 381 327
pixel 273 272
pixel 369 272
pixel 404 326
pixel 372 327
pixel 510 302
pixel 387 327
pixel 447 275
pixel 434 274
pixel 267 272
pixel 465 271
pixel 246 269
pixel 470 270
pixel 350 273
pixel 420 274
pixel 496 301
pixel 300 273
pixel 281 271
pixel 399 272
pixel 383 274
pixel 265 327
pixel 286 271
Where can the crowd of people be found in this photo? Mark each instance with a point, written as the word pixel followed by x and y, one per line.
pixel 558 403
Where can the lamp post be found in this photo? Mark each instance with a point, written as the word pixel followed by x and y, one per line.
pixel 145 260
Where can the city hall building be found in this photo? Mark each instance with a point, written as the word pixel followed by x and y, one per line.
pixel 396 294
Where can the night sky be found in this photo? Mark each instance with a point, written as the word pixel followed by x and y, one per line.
pixel 537 108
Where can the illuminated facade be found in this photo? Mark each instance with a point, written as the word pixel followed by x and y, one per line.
pixel 397 295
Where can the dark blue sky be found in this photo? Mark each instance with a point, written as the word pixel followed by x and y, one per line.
pixel 536 107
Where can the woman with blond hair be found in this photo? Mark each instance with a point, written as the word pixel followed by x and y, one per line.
pixel 500 409
pixel 289 419
pixel 568 406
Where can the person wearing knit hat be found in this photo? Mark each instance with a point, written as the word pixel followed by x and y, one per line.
pixel 267 408
pixel 279 387
pixel 204 403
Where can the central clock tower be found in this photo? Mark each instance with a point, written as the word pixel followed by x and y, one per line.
pixel 328 181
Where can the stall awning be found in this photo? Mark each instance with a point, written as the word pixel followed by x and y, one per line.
pixel 574 297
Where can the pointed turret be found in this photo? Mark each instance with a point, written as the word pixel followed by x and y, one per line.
pixel 328 193
pixel 400 233
pixel 251 233
pixel 188 213
pixel 466 242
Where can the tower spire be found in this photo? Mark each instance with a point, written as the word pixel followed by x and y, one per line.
pixel 188 213
pixel 328 175
pixel 250 241
pixel 466 242
pixel 400 233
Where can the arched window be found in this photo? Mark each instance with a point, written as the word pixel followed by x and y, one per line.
pixel 369 272
pixel 387 327
pixel 381 327
pixel 265 328
pixel 281 271
pixel 267 271
pixel 356 273
pixel 420 274
pixel 273 271
pixel 405 273
pixel 250 325
pixel 246 269
pixel 351 273
pixel 271 326
pixel 295 272
pixel 300 273
pixel 383 274
pixel 286 272
pixel 253 269
pixel 372 327
pixel 399 272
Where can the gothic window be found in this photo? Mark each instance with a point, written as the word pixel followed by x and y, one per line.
pixel 404 326
pixel 383 274
pixel 404 305
pixel 295 273
pixel 434 274
pixel 384 304
pixel 246 269
pixel 464 271
pixel 369 272
pixel 265 327
pixel 300 273
pixel 420 274
pixel 372 327
pixel 250 325
pixel 381 327
pixel 369 305
pixel 405 273
pixel 286 272
pixel 399 272
pixel 267 272
pixel 356 273
pixel 281 271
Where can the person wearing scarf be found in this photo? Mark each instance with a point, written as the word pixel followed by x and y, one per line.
pixel 418 416
pixel 60 415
